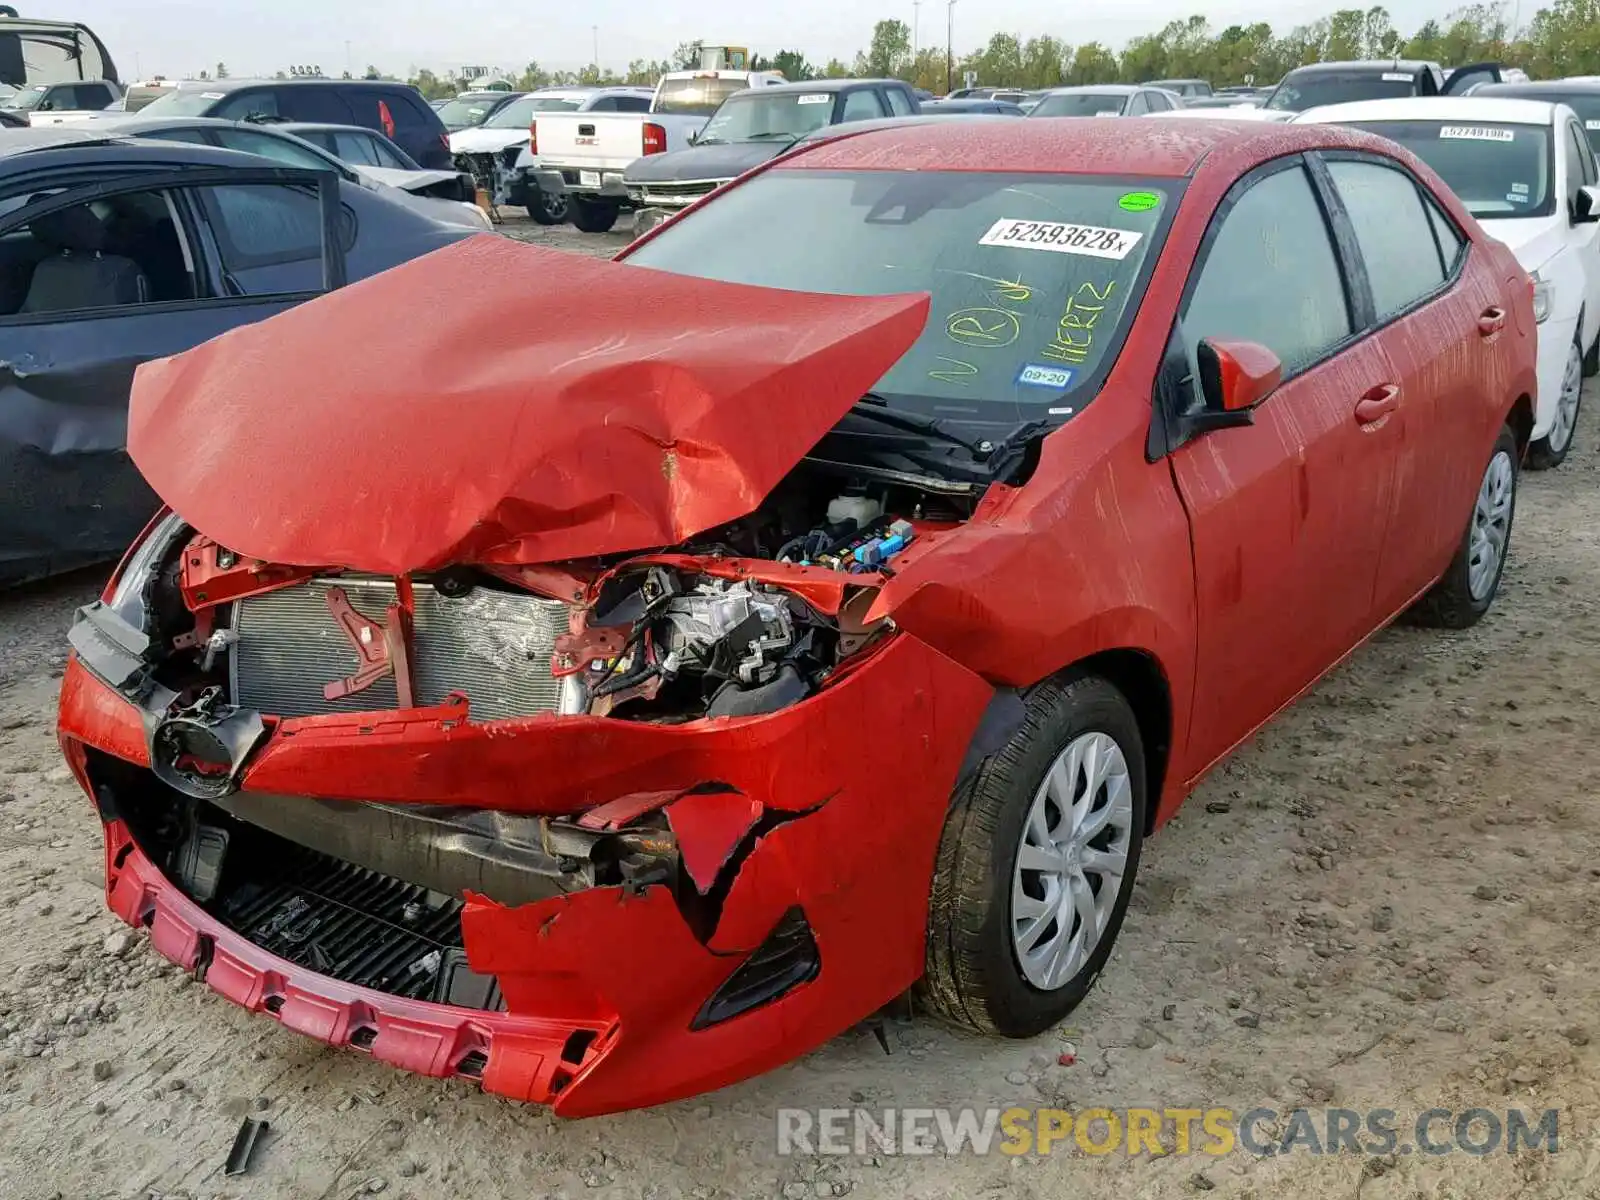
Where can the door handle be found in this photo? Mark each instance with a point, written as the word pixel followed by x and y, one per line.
pixel 1377 404
pixel 1492 321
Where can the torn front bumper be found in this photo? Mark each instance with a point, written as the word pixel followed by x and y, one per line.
pixel 824 818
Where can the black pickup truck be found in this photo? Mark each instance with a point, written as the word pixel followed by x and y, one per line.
pixel 751 127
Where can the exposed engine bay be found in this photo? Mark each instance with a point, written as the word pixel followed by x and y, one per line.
pixel 668 636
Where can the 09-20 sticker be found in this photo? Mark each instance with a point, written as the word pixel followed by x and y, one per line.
pixel 1062 237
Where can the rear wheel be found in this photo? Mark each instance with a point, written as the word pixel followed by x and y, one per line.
pixel 1551 450
pixel 547 208
pixel 1037 863
pixel 1469 585
pixel 594 216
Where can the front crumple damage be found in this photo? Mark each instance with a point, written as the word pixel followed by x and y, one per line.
pixel 783 822
pixel 623 409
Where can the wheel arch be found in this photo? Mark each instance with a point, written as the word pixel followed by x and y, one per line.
pixel 1520 418
pixel 1140 677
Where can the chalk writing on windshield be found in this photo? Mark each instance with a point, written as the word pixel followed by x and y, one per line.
pixel 1074 335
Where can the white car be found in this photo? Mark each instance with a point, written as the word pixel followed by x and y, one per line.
pixel 1525 170
pixel 496 152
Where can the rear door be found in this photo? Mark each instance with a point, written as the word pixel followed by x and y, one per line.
pixel 69 495
pixel 1426 327
pixel 1288 513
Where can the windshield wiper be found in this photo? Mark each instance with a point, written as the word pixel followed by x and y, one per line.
pixel 996 456
pixel 772 133
pixel 711 141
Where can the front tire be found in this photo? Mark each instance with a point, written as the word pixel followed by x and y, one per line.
pixel 1037 863
pixel 1552 449
pixel 593 216
pixel 1469 585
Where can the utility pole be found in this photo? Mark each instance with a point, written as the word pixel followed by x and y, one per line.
pixel 916 26
pixel 596 29
pixel 949 46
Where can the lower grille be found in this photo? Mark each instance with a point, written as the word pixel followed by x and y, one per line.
pixel 494 647
pixel 359 927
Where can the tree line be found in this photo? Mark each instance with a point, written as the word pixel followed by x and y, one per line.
pixel 1562 39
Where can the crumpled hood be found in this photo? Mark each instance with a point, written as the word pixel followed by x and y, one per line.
pixel 703 162
pixel 495 402
pixel 487 141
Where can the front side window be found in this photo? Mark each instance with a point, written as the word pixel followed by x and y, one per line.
pixel 1271 276
pixel 862 105
pixel 1313 89
pixel 1034 279
pixel 899 102
pixel 1080 104
pixel 780 116
pixel 244 106
pixel 1498 170
pixel 1582 158
pixel 112 252
pixel 1138 105
pixel 1393 231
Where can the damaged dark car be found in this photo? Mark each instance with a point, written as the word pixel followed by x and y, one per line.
pixel 115 251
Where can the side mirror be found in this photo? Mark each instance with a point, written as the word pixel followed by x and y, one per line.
pixel 1236 376
pixel 1586 205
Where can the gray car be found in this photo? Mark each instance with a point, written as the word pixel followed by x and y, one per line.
pixel 1106 100
pixel 116 250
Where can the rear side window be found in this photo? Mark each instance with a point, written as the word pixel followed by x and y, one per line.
pixel 1393 231
pixel 1271 276
pixel 269 236
pixel 633 103
pixel 898 101
pixel 406 107
pixel 322 105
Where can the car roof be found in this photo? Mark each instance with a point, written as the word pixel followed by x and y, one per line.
pixel 48 137
pixel 1149 148
pixel 233 85
pixel 821 85
pixel 1433 108
pixel 1099 89
pixel 16 157
pixel 322 126
pixel 1541 87
pixel 1410 66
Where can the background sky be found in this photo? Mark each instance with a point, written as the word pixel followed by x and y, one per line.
pixel 181 37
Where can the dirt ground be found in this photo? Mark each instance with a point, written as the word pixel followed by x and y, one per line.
pixel 1390 900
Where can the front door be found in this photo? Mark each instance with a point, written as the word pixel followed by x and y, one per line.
pixel 1287 514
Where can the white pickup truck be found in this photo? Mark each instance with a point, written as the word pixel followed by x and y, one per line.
pixel 582 155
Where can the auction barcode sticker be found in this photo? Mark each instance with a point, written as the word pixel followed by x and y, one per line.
pixel 815 98
pixel 1396 77
pixel 1591 124
pixel 1478 133
pixel 1093 240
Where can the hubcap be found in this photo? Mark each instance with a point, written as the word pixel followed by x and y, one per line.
pixel 1070 864
pixel 1567 406
pixel 1491 525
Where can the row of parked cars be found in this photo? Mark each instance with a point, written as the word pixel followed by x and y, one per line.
pixel 492 697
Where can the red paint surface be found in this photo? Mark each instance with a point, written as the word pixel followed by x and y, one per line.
pixel 656 408
pixel 1240 568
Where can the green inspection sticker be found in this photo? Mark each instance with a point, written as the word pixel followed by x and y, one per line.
pixel 1139 201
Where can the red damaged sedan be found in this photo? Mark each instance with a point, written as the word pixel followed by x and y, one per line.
pixel 613 703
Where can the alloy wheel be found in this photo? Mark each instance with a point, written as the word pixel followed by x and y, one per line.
pixel 1491 525
pixel 1071 860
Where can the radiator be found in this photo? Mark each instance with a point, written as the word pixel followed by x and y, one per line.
pixel 492 646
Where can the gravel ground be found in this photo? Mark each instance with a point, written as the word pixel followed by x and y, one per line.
pixel 1388 900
